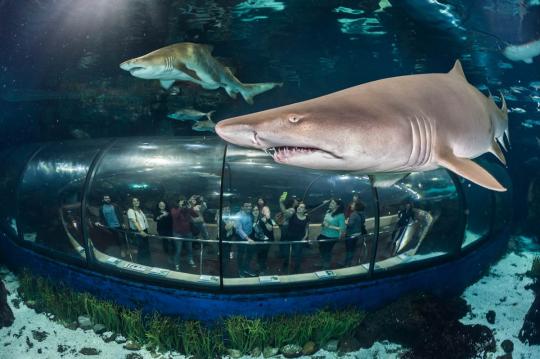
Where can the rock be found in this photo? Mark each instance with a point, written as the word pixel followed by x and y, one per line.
pixel 269 352
pixel 39 335
pixel 31 304
pixel 108 336
pixel 131 345
pixel 61 348
pixel 331 346
pixel 490 317
pixel 85 323
pixel 530 331
pixel 6 315
pixel 309 348
pixel 234 353
pixel 99 328
pixel 40 351
pixel 120 339
pixel 505 356
pixel 89 351
pixel 50 316
pixel 291 351
pixel 134 356
pixel 256 352
pixel 73 325
pixel 349 345
pixel 428 326
pixel 508 346
pixel 16 303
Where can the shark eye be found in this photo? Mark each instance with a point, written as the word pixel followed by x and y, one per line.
pixel 294 118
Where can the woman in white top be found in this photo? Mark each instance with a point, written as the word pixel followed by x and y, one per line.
pixel 139 224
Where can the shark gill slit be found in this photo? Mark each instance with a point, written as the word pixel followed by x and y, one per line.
pixel 414 140
pixel 427 137
pixel 422 141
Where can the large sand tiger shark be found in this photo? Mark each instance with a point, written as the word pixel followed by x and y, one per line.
pixel 386 128
pixel 187 61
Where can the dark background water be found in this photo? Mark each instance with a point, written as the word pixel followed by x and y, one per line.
pixel 59 74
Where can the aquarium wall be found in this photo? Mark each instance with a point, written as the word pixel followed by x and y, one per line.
pixel 63 195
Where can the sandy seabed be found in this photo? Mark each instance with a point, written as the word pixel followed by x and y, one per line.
pixel 501 290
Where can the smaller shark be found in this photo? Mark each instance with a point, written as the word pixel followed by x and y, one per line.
pixel 189 114
pixel 192 62
pixel 525 52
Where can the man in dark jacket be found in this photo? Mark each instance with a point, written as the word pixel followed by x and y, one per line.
pixel 111 217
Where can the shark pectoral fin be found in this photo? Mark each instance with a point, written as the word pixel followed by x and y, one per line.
pixel 166 84
pixel 496 150
pixel 180 66
pixel 528 61
pixel 383 180
pixel 231 92
pixel 470 170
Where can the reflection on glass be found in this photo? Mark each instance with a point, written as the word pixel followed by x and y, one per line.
pixel 283 223
pixel 419 219
pixel 13 163
pixel 50 196
pixel 479 208
pixel 152 208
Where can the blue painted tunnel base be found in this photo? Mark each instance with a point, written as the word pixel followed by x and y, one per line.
pixel 449 278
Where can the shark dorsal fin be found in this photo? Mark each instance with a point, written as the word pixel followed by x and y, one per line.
pixel 207 47
pixel 457 70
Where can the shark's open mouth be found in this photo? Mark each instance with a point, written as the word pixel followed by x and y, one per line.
pixel 283 153
pixel 135 69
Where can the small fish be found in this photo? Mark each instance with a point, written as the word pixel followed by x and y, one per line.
pixel 189 114
pixel 206 125
pixel 517 110
pixel 504 65
pixel 79 134
pixel 518 89
pixel 535 85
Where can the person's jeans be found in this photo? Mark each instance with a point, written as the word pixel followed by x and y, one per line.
pixel 325 249
pixel 143 249
pixel 350 246
pixel 178 244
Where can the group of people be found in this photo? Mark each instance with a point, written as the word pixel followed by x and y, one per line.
pixel 253 224
pixel 183 221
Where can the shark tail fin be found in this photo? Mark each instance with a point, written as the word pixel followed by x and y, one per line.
pixel 209 115
pixel 249 91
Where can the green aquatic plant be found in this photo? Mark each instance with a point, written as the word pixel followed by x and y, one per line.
pixel 103 312
pixel 201 342
pixel 133 325
pixel 162 333
pixel 334 325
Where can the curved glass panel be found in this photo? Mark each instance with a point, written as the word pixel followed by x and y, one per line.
pixel 479 210
pixel 177 242
pixel 420 218
pixel 291 248
pixel 503 200
pixel 13 163
pixel 51 194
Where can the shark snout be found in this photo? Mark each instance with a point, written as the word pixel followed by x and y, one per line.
pixel 131 65
pixel 238 133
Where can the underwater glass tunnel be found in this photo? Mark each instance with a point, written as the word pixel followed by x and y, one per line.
pixel 431 231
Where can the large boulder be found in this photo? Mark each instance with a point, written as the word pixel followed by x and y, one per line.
pixel 427 326
pixel 6 315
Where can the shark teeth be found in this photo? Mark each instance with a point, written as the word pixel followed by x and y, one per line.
pixel 284 152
